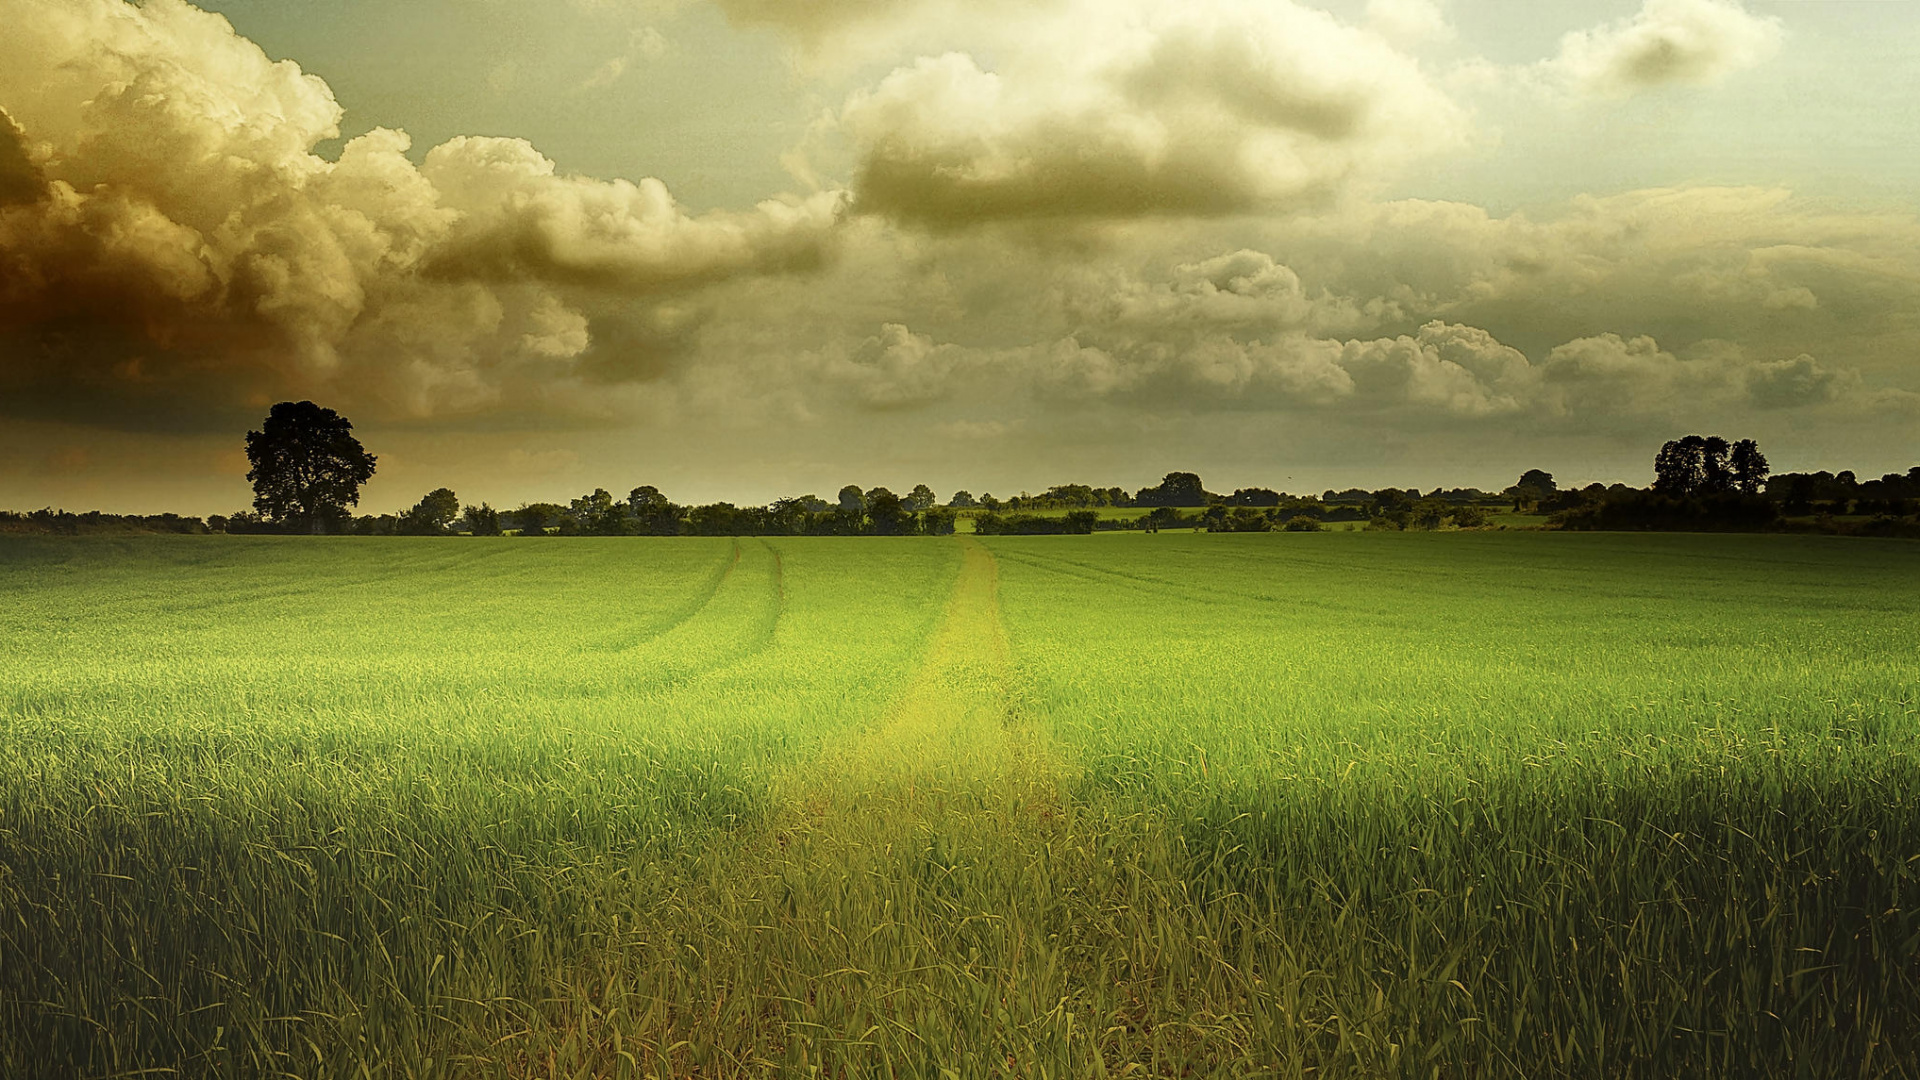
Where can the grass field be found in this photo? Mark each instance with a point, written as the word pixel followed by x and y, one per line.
pixel 1354 804
pixel 1511 520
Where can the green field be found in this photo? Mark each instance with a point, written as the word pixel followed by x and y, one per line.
pixel 1510 520
pixel 1348 804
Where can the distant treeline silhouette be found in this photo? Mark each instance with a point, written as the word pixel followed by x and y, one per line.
pixel 1819 501
pixel 307 470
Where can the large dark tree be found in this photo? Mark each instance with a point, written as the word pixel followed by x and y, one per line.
pixel 1749 467
pixel 483 520
pixel 887 513
pixel 433 515
pixel 1175 489
pixel 652 513
pixel 1537 480
pixel 1700 465
pixel 307 467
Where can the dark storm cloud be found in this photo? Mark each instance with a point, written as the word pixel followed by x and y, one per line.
pixel 164 220
pixel 21 181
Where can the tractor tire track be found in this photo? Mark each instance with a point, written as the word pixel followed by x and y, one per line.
pixel 736 622
pixel 1189 591
pixel 685 613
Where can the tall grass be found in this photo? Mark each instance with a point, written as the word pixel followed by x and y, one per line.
pixel 1295 805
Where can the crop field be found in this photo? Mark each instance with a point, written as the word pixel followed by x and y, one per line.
pixel 1189 805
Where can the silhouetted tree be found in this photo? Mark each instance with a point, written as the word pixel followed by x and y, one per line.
pixel 919 498
pixel 1749 467
pixel 483 520
pixel 853 500
pixel 533 518
pixel 1537 480
pixel 963 500
pixel 651 513
pixel 1694 465
pixel 1175 489
pixel 307 466
pixel 887 513
pixel 718 519
pixel 433 515
pixel 788 517
pixel 1716 471
pixel 1162 517
pixel 596 514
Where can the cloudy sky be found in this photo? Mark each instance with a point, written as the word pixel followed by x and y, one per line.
pixel 745 248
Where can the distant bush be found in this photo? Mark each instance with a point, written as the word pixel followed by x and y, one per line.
pixel 93 522
pixel 1652 511
pixel 1302 523
pixel 1469 517
pixel 993 524
pixel 1239 519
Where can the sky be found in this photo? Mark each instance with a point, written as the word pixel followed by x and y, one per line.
pixel 740 249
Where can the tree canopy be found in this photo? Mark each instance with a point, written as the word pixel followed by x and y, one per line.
pixel 1175 489
pixel 433 515
pixel 307 467
pixel 1709 465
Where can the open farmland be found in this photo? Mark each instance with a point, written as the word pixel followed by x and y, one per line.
pixel 1367 804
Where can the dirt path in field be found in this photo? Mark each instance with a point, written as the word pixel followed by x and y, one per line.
pixel 899 903
pixel 953 724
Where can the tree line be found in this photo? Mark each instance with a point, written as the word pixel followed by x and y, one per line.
pixel 307 468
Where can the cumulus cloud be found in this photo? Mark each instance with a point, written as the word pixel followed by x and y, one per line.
pixel 1668 42
pixel 1238 289
pixel 1618 315
pixel 1801 381
pixel 1750 265
pixel 20 178
pixel 898 369
pixel 1126 108
pixel 516 218
pixel 169 239
pixel 1443 373
pixel 1607 375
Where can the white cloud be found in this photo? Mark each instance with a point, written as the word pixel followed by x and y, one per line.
pixel 1243 288
pixel 1801 381
pixel 897 369
pixel 1126 108
pixel 1668 42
